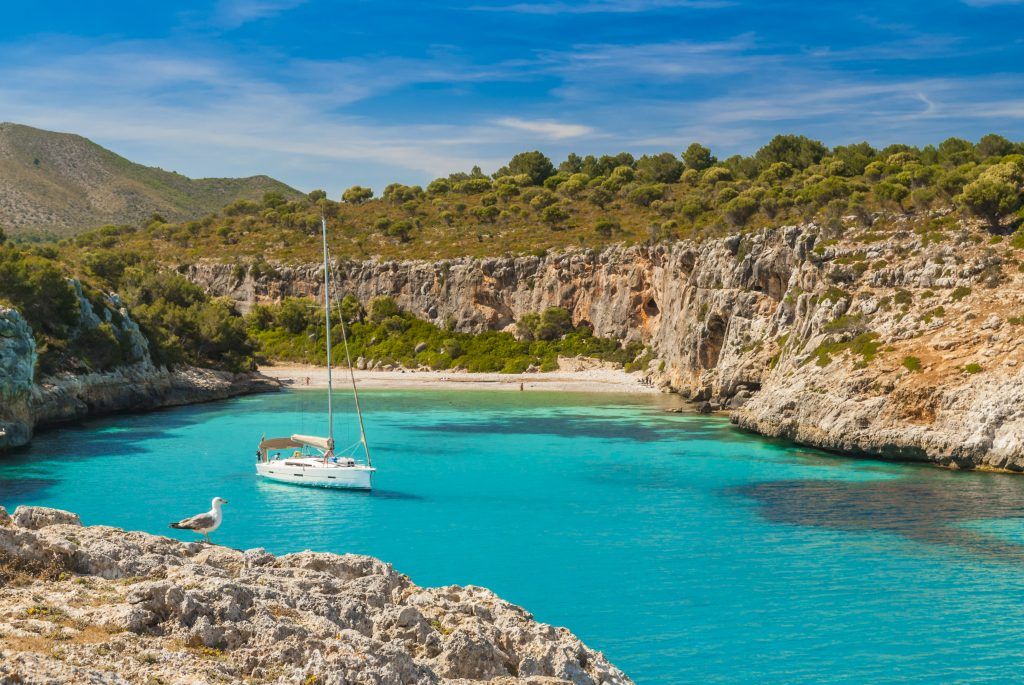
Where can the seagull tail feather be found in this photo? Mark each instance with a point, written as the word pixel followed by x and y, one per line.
pixel 176 525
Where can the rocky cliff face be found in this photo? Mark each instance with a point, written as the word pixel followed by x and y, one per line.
pixel 98 604
pixel 17 370
pixel 28 402
pixel 899 344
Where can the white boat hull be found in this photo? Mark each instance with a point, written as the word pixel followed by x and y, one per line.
pixel 356 477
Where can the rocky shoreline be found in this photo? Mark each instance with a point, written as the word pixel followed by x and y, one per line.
pixel 28 402
pixel 67 398
pixel 101 605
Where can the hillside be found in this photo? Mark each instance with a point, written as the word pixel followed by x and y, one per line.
pixel 60 184
pixel 531 206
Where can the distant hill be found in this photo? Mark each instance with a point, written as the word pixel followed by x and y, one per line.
pixel 60 184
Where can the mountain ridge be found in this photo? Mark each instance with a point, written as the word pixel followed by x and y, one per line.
pixel 58 184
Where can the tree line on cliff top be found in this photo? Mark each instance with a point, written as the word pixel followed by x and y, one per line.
pixel 531 204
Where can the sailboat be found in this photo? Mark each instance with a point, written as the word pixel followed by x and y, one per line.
pixel 312 459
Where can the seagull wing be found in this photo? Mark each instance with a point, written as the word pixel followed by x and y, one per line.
pixel 197 522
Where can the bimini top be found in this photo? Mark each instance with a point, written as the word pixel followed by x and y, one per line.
pixel 297 441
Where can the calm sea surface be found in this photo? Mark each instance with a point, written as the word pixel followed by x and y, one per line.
pixel 685 550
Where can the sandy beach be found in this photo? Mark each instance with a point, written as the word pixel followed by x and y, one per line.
pixel 588 380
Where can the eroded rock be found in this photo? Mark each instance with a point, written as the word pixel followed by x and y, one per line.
pixel 132 607
pixel 35 518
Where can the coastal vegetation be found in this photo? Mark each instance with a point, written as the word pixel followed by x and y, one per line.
pixel 384 335
pixel 182 323
pixel 531 205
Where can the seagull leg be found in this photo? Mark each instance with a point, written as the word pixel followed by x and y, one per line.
pixel 207 536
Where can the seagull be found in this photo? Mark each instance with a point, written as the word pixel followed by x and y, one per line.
pixel 204 523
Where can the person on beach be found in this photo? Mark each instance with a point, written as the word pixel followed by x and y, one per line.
pixel 520 386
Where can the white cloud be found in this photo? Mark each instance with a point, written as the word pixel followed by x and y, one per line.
pixel 612 64
pixel 602 6
pixel 234 13
pixel 553 130
pixel 992 3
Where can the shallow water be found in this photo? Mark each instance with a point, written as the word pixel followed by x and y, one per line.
pixel 685 550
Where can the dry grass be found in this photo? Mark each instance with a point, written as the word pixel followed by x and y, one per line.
pixel 279 611
pixel 92 635
pixel 40 644
pixel 20 572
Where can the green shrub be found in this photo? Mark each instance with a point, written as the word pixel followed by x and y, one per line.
pixel 607 226
pixel 100 348
pixel 357 195
pixel 912 363
pixel 835 294
pixel 972 368
pixel 554 214
pixel 644 195
pixel 846 322
pixel 183 324
pixel 959 293
pixel 391 335
pixel 865 346
pixel 37 287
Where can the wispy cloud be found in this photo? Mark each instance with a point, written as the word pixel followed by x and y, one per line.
pixel 234 13
pixel 992 3
pixel 602 6
pixel 554 130
pixel 673 60
pixel 917 47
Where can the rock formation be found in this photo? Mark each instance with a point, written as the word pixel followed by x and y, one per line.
pixel 28 402
pixel 17 370
pixel 900 343
pixel 101 605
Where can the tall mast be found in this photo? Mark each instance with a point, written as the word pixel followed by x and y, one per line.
pixel 327 314
pixel 355 393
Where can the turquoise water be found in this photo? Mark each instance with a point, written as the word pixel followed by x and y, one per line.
pixel 685 550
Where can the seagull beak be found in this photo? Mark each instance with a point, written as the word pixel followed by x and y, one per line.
pixel 223 501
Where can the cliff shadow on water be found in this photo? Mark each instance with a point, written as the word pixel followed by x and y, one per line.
pixel 922 505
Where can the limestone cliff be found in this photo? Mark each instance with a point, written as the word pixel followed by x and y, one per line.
pixel 17 370
pixel 900 343
pixel 101 605
pixel 28 401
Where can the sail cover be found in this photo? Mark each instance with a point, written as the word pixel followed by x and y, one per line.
pixel 278 443
pixel 314 441
pixel 271 444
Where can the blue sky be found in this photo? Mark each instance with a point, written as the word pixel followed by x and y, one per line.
pixel 327 94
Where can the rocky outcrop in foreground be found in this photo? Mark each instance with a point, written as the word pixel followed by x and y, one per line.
pixel 101 605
